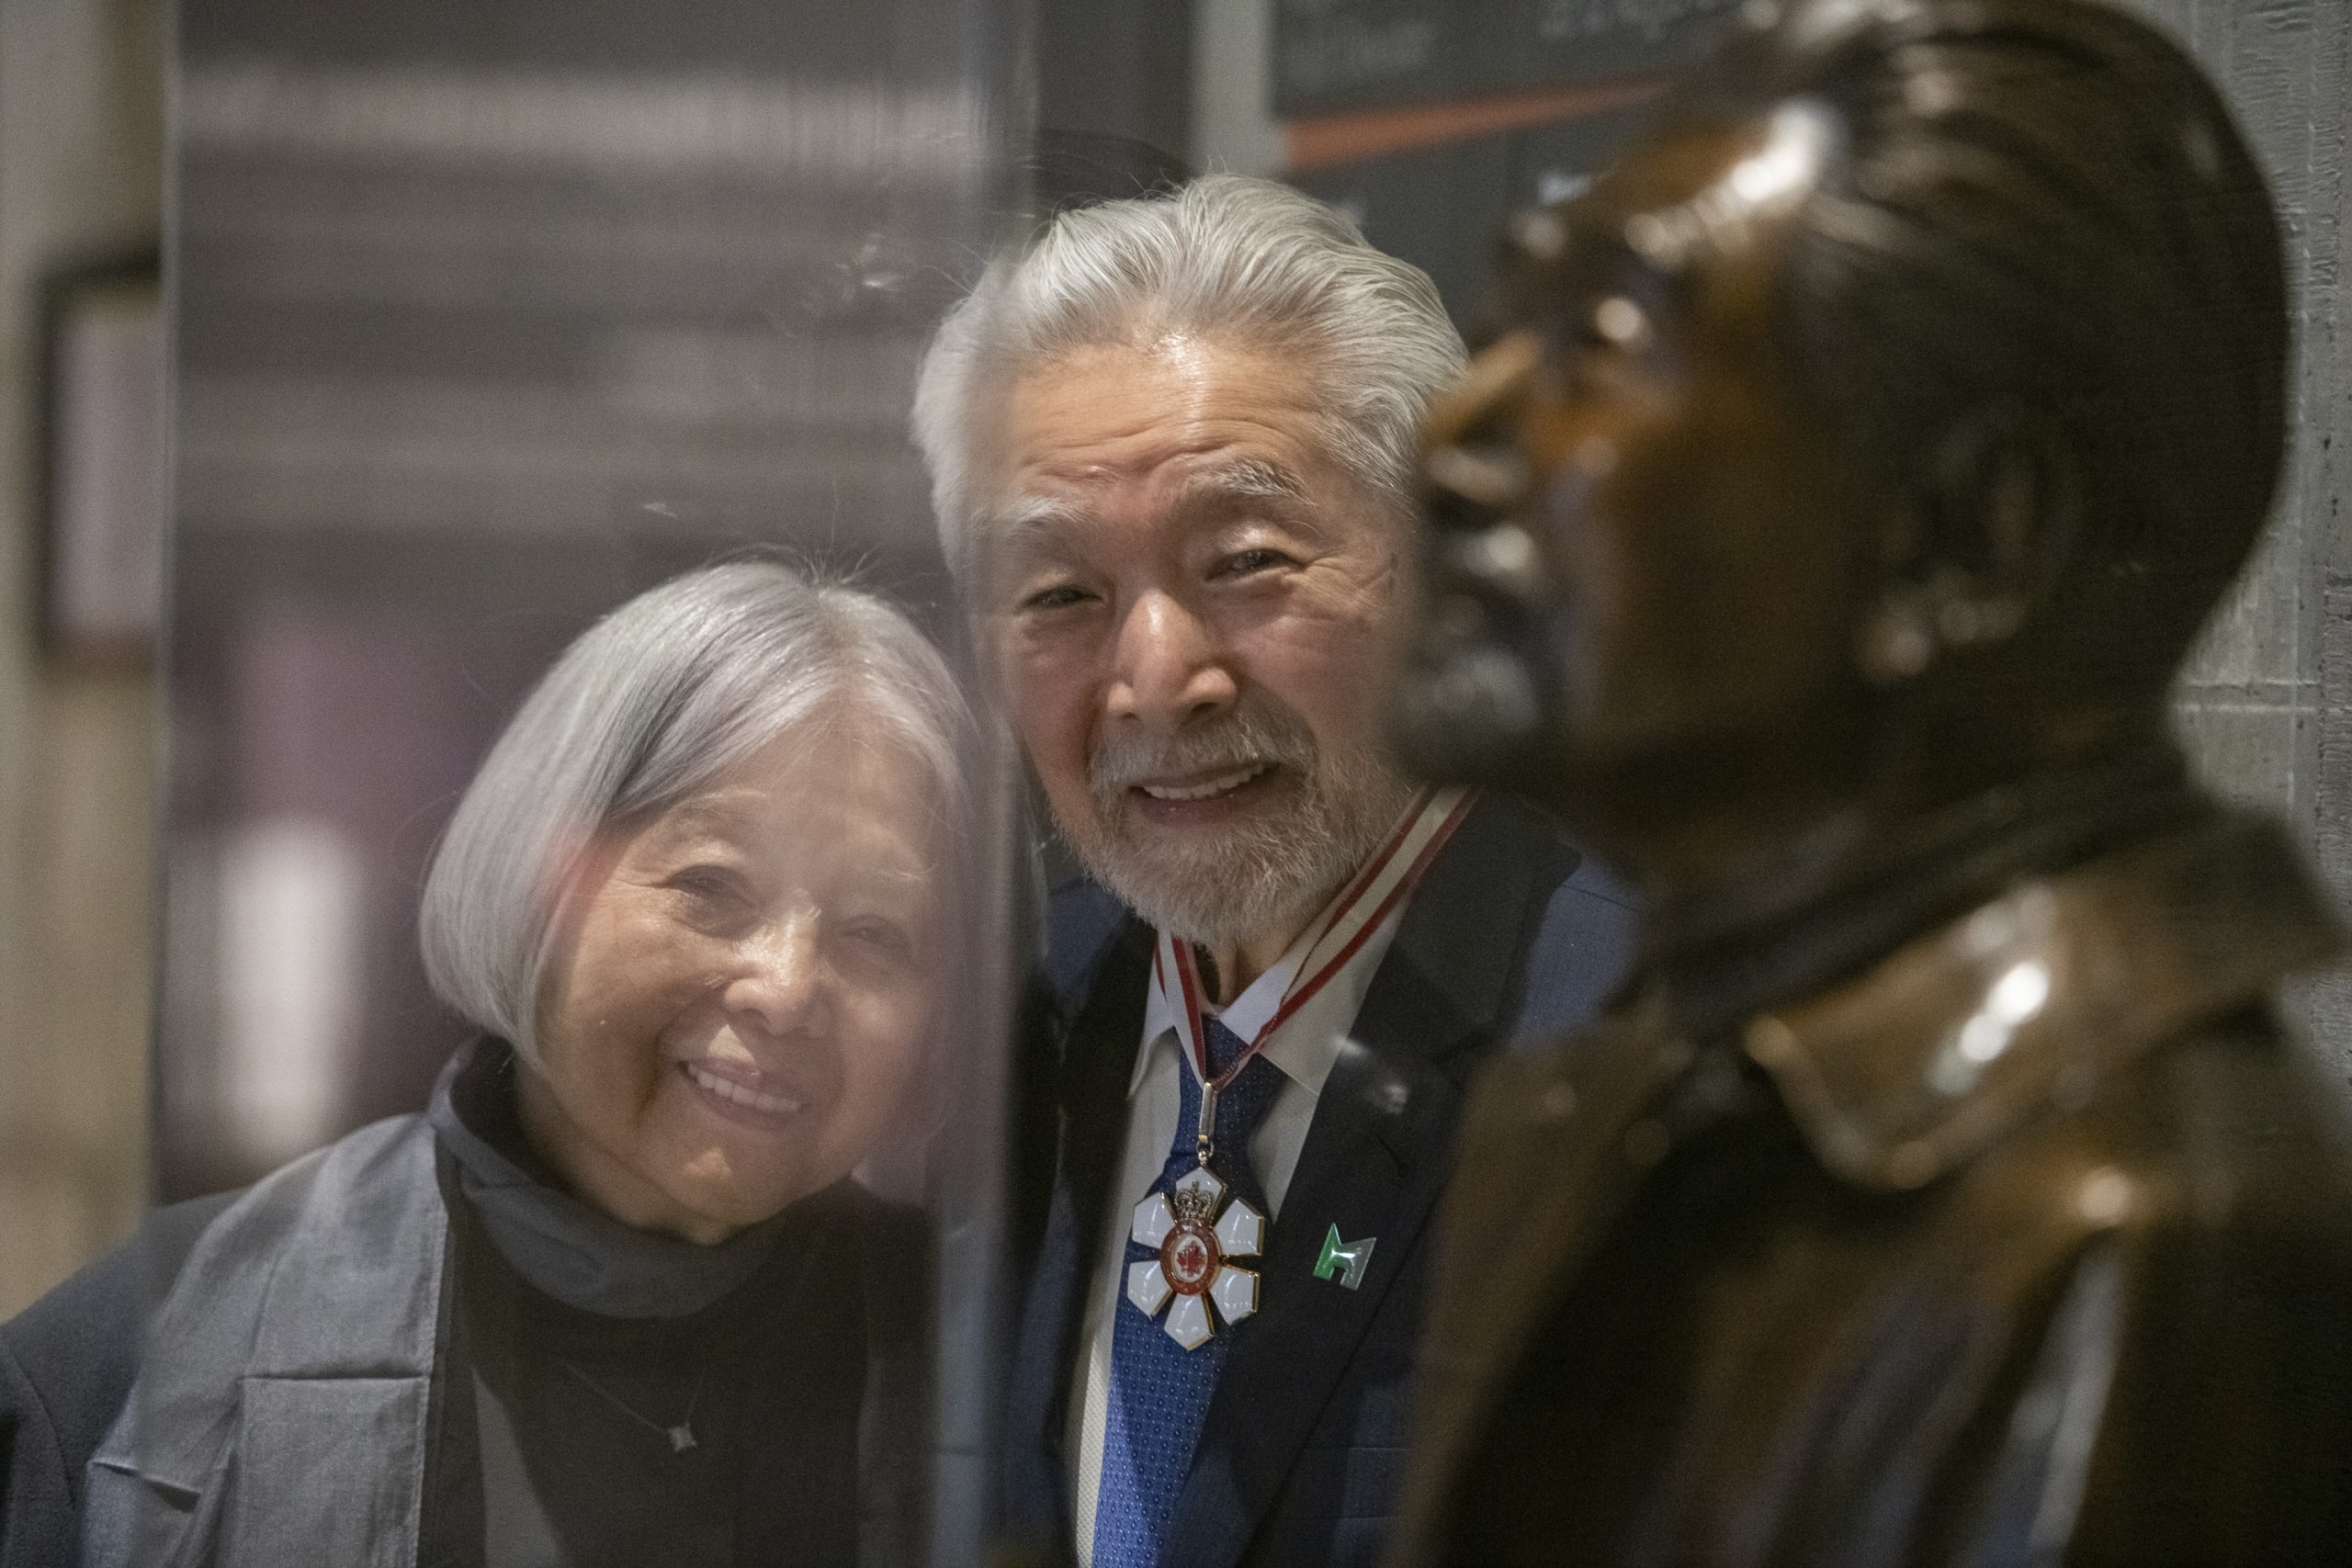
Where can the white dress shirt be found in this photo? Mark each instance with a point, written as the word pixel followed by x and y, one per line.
pixel 1304 1048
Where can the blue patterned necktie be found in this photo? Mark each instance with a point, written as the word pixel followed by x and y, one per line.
pixel 1159 1391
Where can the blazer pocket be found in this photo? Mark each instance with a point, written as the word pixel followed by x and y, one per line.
pixel 326 1470
pixel 1360 1482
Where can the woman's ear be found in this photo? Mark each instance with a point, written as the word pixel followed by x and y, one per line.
pixel 1978 547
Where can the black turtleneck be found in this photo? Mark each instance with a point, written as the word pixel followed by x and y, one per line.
pixel 569 1348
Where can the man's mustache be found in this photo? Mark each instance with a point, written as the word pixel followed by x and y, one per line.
pixel 1241 738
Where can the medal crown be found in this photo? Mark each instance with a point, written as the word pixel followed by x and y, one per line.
pixel 1197 1204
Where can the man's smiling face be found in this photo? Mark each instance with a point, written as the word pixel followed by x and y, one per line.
pixel 1199 614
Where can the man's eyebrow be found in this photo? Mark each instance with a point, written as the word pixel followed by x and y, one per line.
pixel 1033 520
pixel 1044 520
pixel 1244 479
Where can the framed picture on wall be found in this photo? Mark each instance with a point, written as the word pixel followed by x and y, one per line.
pixel 100 497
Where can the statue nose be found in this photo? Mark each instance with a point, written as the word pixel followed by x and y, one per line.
pixel 1471 458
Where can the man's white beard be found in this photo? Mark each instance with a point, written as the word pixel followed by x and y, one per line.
pixel 1276 868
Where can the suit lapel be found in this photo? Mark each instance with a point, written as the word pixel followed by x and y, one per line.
pixel 1375 1160
pixel 1097 1059
pixel 1102 1060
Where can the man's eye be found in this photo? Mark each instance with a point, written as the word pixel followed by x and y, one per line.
pixel 1060 596
pixel 1244 563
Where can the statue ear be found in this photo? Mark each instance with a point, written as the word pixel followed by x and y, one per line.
pixel 1978 546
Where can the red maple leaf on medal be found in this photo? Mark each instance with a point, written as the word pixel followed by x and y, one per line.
pixel 1190 1270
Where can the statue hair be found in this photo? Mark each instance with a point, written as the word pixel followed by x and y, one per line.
pixel 2042 209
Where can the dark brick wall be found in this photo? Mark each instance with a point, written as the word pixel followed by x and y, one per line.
pixel 2267 706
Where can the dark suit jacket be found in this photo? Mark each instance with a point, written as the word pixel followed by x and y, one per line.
pixel 1300 1461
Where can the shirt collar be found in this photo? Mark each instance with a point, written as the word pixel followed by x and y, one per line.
pixel 1307 1045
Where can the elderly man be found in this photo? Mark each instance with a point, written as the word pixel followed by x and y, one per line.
pixel 1172 444
pixel 1859 460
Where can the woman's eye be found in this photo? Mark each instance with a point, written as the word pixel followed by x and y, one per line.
pixel 886 937
pixel 711 885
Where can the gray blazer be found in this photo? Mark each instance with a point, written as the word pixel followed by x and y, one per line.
pixel 279 1413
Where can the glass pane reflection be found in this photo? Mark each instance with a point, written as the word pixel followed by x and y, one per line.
pixel 490 317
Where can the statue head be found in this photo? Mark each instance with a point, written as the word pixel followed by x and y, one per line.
pixel 1884 425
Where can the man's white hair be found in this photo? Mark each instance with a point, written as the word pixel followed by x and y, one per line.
pixel 646 707
pixel 1224 257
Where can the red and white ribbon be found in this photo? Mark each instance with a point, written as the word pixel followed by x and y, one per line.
pixel 1386 881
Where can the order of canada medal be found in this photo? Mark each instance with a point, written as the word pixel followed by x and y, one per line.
pixel 1194 1243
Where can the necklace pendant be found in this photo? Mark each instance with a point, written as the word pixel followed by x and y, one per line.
pixel 682 1438
pixel 1193 1241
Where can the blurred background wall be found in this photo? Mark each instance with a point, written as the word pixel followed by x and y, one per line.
pixel 2267 706
pixel 81 176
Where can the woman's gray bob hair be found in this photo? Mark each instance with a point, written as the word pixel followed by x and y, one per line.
pixel 648 704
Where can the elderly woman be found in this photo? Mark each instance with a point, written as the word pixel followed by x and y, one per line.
pixel 616 1297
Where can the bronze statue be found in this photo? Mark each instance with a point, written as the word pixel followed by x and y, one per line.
pixel 1818 537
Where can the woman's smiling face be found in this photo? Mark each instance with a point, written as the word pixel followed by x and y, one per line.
pixel 744 985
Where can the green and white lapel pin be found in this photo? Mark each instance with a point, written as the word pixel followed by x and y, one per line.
pixel 1345 1262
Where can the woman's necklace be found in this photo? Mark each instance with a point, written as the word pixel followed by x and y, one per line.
pixel 682 1436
